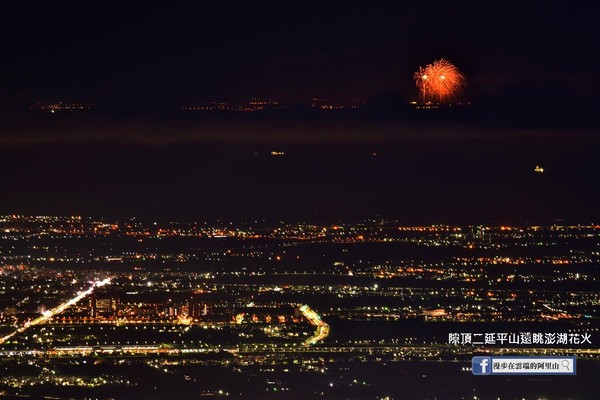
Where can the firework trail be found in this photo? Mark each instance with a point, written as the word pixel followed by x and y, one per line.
pixel 439 81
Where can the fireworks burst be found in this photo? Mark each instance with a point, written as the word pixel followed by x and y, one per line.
pixel 440 81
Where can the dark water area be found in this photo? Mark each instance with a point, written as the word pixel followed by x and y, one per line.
pixel 455 175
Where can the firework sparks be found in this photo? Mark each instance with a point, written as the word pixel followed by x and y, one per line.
pixel 439 82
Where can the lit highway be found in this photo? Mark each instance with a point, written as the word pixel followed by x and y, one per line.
pixel 424 352
pixel 48 314
pixel 315 319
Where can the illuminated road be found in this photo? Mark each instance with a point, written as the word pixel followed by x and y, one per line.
pixel 412 352
pixel 315 319
pixel 47 315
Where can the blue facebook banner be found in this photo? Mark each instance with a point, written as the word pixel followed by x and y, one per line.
pixel 524 365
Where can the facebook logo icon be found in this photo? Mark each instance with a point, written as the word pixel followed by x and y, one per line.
pixel 481 366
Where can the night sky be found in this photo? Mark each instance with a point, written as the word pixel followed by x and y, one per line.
pixel 470 166
pixel 195 51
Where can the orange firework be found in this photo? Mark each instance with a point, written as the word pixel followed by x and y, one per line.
pixel 439 82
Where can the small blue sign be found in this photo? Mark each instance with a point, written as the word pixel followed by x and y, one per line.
pixel 481 365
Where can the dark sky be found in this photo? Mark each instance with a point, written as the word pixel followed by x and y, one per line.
pixel 197 51
pixel 430 167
